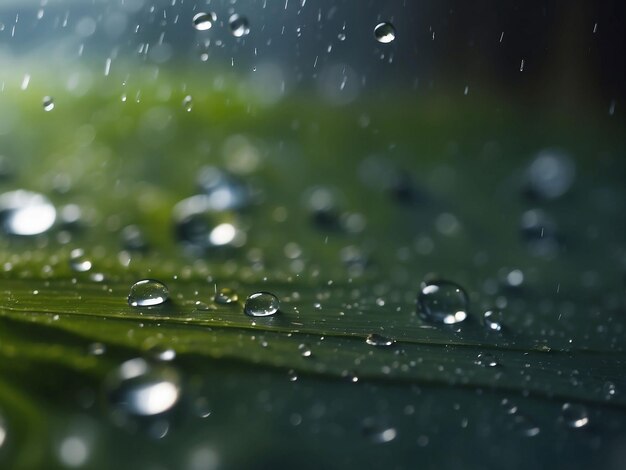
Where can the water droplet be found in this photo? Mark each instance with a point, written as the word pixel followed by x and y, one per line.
pixel 96 349
pixel 492 319
pixel 551 174
pixel 377 432
pixel 305 351
pixel 525 426
pixel 293 375
pixel 78 261
pixel 261 304
pixel 161 353
pixel 609 390
pixel 223 190
pixel 226 296
pixel 138 388
pixel 486 360
pixel 239 25
pixel 575 415
pixel 378 340
pixel 188 103
pixel 443 302
pixel 48 103
pixel 26 213
pixel 385 32
pixel 133 239
pixel 204 21
pixel 148 293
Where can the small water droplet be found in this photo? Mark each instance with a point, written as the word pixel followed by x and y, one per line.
pixel 261 304
pixel 293 375
pixel 375 339
pixel 492 320
pixel 138 388
pixel 305 351
pixel 486 360
pixel 609 390
pixel 377 432
pixel 575 415
pixel 239 25
pixel 148 293
pixel 188 103
pixel 341 36
pixel 443 302
pixel 48 103
pixel 204 21
pixel 551 174
pixel 224 190
pixel 96 349
pixel 226 296
pixel 26 213
pixel 385 33
pixel 161 353
pixel 78 261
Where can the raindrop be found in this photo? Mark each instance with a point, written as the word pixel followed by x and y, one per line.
pixel 377 432
pixel 148 293
pixel 48 103
pixel 574 415
pixel 443 302
pixel 492 320
pixel 26 213
pixel 226 296
pixel 378 340
pixel 239 25
pixel 261 304
pixel 385 33
pixel 188 103
pixel 140 389
pixel 204 21
pixel 486 360
pixel 78 261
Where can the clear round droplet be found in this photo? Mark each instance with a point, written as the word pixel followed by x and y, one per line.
pixel 492 320
pixel 78 261
pixel 138 388
pixel 575 415
pixel 204 21
pixel 261 304
pixel 148 293
pixel 375 339
pixel 385 32
pixel 239 25
pixel 226 296
pixel 48 103
pixel 26 213
pixel 443 302
pixel 188 103
pixel 486 360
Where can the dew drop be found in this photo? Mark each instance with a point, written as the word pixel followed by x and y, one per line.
pixel 261 304
pixel 204 21
pixel 443 302
pixel 26 213
pixel 305 351
pixel 138 388
pixel 48 103
pixel 385 33
pixel 224 191
pixel 293 375
pixel 226 296
pixel 148 293
pixel 575 415
pixel 188 103
pixel 375 339
pixel 492 320
pixel 239 26
pixel 78 261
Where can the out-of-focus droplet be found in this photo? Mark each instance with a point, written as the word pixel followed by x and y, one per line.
pixel 188 103
pixel 443 302
pixel 575 415
pixel 492 320
pixel 223 190
pixel 226 296
pixel 239 26
pixel 385 32
pixel 48 103
pixel 551 174
pixel 78 261
pixel 26 213
pixel 261 304
pixel 148 293
pixel 204 21
pixel 377 432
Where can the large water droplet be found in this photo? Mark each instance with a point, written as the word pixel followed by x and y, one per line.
pixel 148 293
pixel 26 213
pixel 203 21
pixel 492 320
pixel 226 296
pixel 378 340
pixel 575 415
pixel 239 25
pixel 261 304
pixel 48 103
pixel 385 32
pixel 443 302
pixel 142 389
